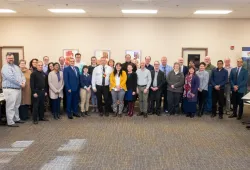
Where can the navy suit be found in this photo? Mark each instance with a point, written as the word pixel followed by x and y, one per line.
pixel 241 82
pixel 185 70
pixel 71 82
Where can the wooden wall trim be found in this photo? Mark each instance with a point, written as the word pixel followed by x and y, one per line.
pixel 194 49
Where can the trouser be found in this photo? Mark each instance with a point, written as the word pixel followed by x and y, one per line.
pixel 143 98
pixel 93 98
pixel 164 93
pixel 155 101
pixel 149 102
pixel 202 98
pixel 55 106
pixel 218 96
pixel 13 101
pixel 208 107
pixel 102 91
pixel 118 100
pixel 38 105
pixel 237 101
pixel 64 99
pixel 173 102
pixel 24 112
pixel 85 96
pixel 72 102
pixel 228 96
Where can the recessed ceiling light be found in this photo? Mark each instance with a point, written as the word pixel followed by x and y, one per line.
pixel 135 11
pixel 7 11
pixel 212 12
pixel 67 10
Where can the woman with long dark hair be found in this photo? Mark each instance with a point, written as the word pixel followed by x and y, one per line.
pixel 118 88
pixel 33 64
pixel 47 101
pixel 192 83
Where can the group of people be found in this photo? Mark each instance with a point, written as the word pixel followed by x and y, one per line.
pixel 119 85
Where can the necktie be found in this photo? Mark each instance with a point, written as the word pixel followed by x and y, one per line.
pixel 164 70
pixel 103 76
pixel 58 76
pixel 75 70
pixel 237 73
pixel 61 67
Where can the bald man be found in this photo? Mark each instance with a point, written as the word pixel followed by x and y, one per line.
pixel 166 69
pixel 228 67
pixel 209 68
pixel 183 69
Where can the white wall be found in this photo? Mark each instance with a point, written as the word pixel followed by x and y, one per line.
pixel 156 37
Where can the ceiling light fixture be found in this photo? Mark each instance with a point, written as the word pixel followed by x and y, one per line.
pixel 67 10
pixel 136 11
pixel 7 11
pixel 220 12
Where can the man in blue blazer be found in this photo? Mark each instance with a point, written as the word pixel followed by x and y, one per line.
pixel 238 80
pixel 71 76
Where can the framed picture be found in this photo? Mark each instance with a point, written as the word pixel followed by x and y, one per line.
pixel 17 51
pixel 70 52
pixel 102 53
pixel 135 56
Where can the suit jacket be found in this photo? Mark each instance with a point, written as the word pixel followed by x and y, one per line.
pixel 55 85
pixel 160 79
pixel 185 70
pixel 241 81
pixel 71 80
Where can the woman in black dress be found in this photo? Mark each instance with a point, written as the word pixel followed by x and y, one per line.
pixel 130 95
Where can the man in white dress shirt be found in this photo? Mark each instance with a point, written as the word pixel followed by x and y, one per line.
pixel 100 85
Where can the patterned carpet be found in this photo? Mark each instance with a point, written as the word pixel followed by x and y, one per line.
pixel 105 143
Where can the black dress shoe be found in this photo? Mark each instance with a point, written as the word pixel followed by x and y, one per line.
pixel 13 125
pixel 101 114
pixel 232 116
pixel 158 113
pixel 70 117
pixel 238 118
pixel 83 114
pixel 107 114
pixel 76 115
pixel 35 122
pixel 220 117
pixel 213 115
pixel 43 119
pixel 20 121
pixel 86 113
pixel 145 115
pixel 248 127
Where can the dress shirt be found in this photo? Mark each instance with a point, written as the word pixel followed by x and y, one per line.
pixel 167 69
pixel 229 68
pixel 204 79
pixel 144 77
pixel 74 70
pixel 12 76
pixel 98 73
pixel 155 79
pixel 182 68
pixel 45 69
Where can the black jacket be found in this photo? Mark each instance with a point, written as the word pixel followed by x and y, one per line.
pixel 132 82
pixel 125 66
pixel 160 79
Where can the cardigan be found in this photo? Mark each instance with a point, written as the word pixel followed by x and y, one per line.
pixel 55 85
pixel 132 81
pixel 123 80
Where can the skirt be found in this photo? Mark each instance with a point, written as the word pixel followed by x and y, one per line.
pixel 189 107
pixel 129 96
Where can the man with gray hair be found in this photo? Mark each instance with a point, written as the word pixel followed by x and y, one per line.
pixel 13 81
pixel 228 67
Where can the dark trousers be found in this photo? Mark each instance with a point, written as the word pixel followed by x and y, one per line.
pixel 102 91
pixel 64 99
pixel 173 102
pixel 217 97
pixel 202 98
pixel 72 102
pixel 24 112
pixel 38 105
pixel 154 101
pixel 164 94
pixel 237 101
pixel 55 106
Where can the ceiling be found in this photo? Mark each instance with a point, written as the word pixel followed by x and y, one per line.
pixel 112 8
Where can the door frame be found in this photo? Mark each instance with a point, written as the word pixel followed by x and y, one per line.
pixel 194 49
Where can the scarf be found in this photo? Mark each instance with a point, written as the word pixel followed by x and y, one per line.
pixel 187 86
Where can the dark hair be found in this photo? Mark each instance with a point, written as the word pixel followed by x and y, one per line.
pixel 115 71
pixel 84 68
pixel 220 61
pixel 202 63
pixel 191 68
pixel 56 63
pixel 48 71
pixel 111 61
pixel 77 54
pixel 9 54
pixel 31 61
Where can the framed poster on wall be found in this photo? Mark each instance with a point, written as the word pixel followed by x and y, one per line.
pixel 17 51
pixel 70 52
pixel 102 53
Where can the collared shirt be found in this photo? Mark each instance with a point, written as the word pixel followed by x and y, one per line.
pixel 166 69
pixel 155 79
pixel 62 67
pixel 97 75
pixel 238 68
pixel 45 69
pixel 73 68
pixel 12 76
pixel 229 71
pixel 181 68
pixel 176 72
pixel 144 77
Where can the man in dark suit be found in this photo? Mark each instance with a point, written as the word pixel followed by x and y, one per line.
pixel 238 80
pixel 158 80
pixel 71 76
pixel 183 69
